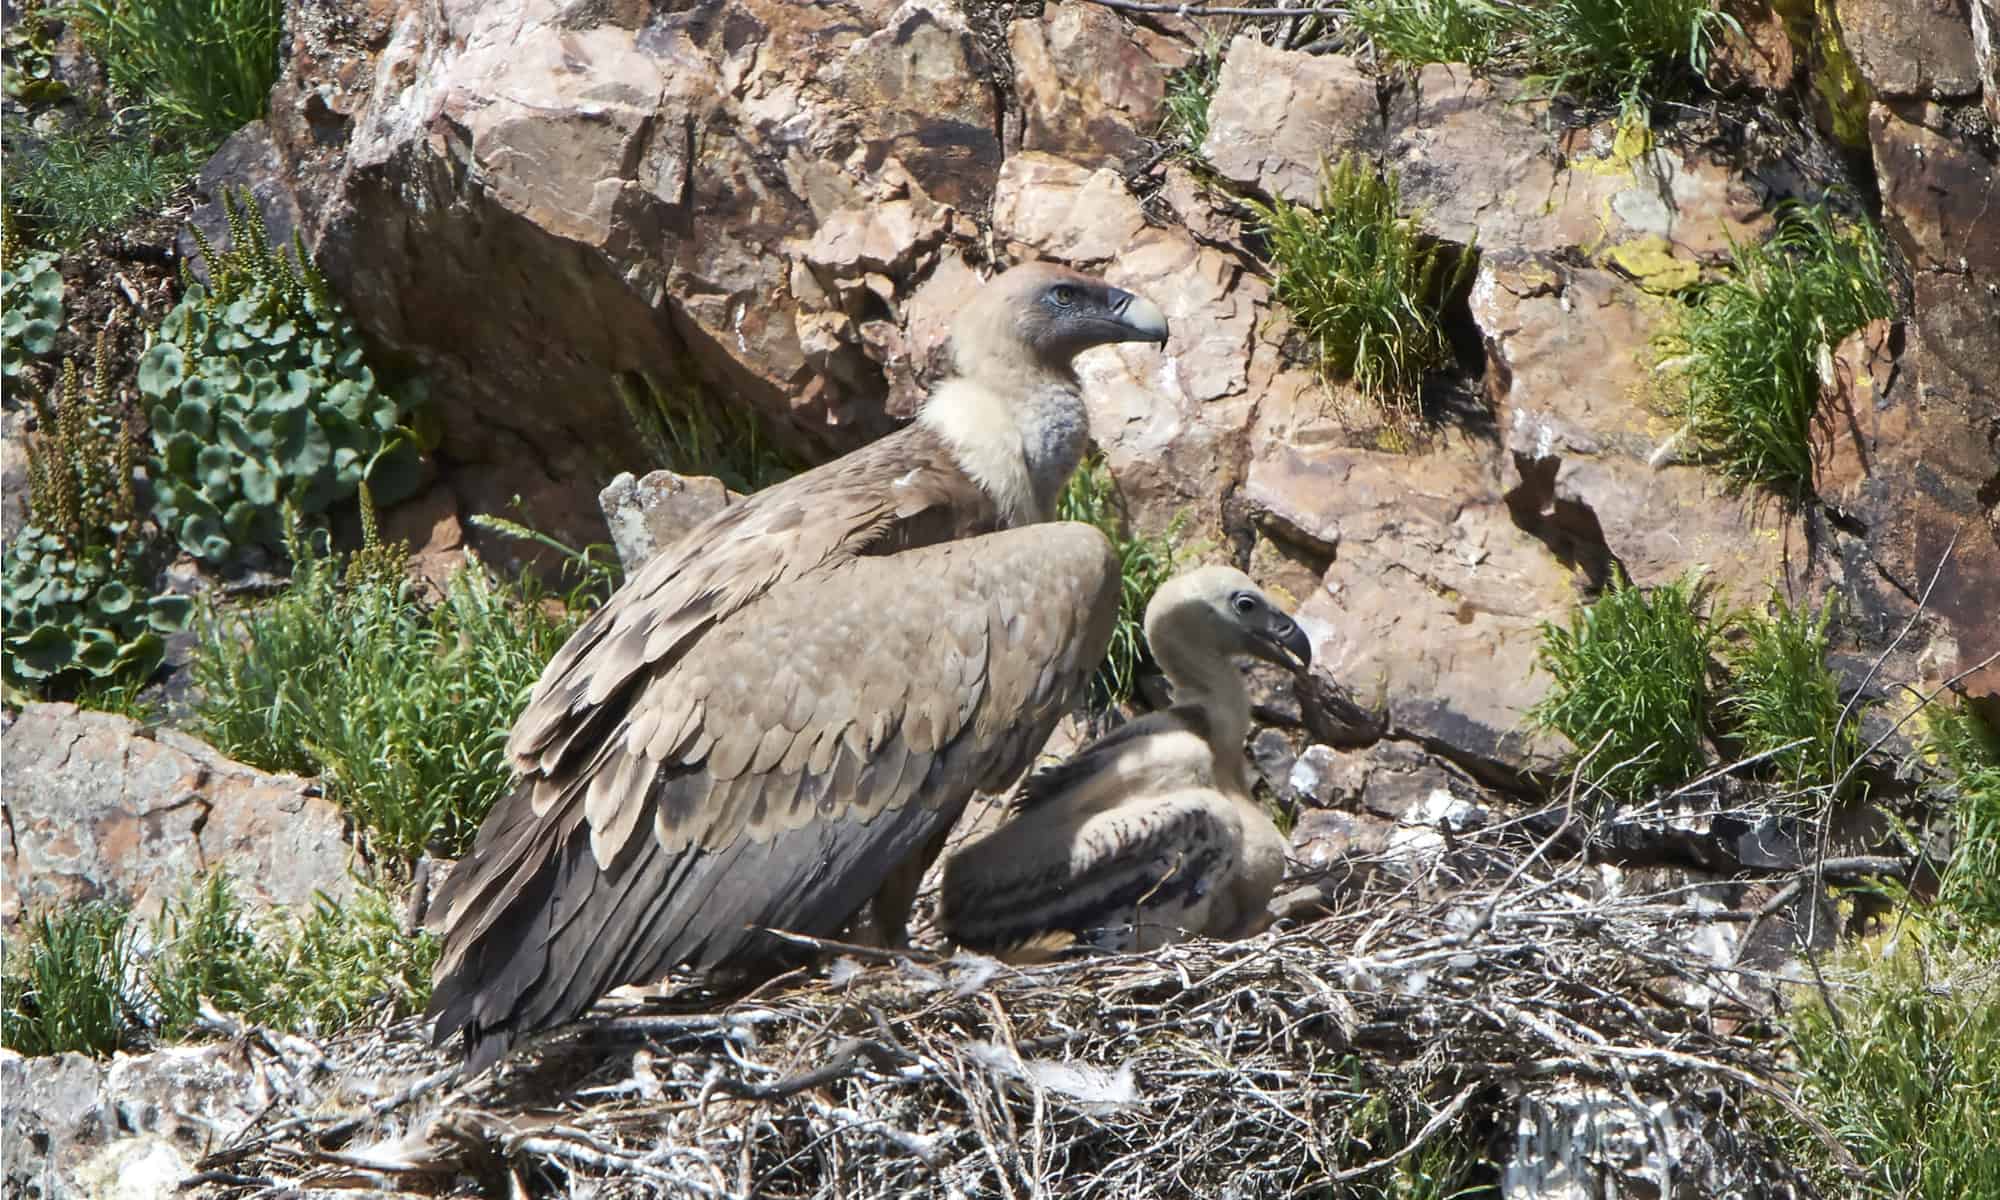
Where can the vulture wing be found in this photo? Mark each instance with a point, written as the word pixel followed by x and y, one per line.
pixel 1119 877
pixel 764 748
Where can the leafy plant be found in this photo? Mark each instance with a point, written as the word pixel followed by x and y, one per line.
pixel 1969 752
pixel 1631 672
pixel 91 178
pixel 1144 563
pixel 1900 1060
pixel 1751 351
pixel 29 45
pixel 1782 695
pixel 73 591
pixel 65 985
pixel 690 432
pixel 259 396
pixel 31 305
pixel 323 970
pixel 1363 283
pixel 203 66
pixel 1433 31
pixel 401 707
pixel 1184 124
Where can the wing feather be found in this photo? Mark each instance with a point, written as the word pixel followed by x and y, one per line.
pixel 936 698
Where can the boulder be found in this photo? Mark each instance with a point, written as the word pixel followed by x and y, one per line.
pixel 648 514
pixel 1276 114
pixel 1910 48
pixel 100 807
pixel 1090 86
pixel 526 198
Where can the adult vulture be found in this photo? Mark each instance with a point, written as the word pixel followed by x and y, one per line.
pixel 779 717
pixel 1149 834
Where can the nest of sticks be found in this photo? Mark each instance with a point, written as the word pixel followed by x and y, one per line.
pixel 1412 1010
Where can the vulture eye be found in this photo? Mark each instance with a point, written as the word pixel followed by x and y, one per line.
pixel 1063 294
pixel 1244 603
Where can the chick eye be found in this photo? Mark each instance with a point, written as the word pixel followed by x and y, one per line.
pixel 1245 603
pixel 1063 295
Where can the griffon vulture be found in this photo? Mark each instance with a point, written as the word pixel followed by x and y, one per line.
pixel 1149 834
pixel 779 717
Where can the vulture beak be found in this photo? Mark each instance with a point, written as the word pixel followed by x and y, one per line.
pixel 1284 643
pixel 1138 315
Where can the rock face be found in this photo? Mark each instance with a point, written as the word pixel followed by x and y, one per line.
pixel 782 207
pixel 97 807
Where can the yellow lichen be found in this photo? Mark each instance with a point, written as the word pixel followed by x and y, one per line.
pixel 1650 262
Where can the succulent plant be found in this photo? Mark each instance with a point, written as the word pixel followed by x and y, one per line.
pixel 259 394
pixel 73 595
pixel 31 296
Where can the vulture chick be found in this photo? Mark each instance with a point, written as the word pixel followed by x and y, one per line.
pixel 779 717
pixel 1149 834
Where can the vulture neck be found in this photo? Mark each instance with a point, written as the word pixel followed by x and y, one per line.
pixel 1209 681
pixel 1015 425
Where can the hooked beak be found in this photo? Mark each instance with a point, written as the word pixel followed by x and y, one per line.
pixel 1139 315
pixel 1285 644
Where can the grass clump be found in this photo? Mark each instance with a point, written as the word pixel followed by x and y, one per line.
pixel 1632 672
pixel 204 67
pixel 1901 1061
pixel 1363 283
pixel 79 981
pixel 1969 752
pixel 1750 353
pixel 1784 702
pixel 401 706
pixel 1416 32
pixel 92 178
pixel 1144 563
pixel 1184 123
pixel 65 984
pixel 689 432
pixel 1593 50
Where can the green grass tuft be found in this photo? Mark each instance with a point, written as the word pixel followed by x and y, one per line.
pixel 1750 354
pixel 1144 563
pixel 1593 50
pixel 1969 753
pixel 65 984
pixel 199 66
pixel 1904 1067
pixel 1362 282
pixel 402 707
pixel 1632 670
pixel 1184 126
pixel 1781 692
pixel 92 179
pixel 80 986
pixel 1415 32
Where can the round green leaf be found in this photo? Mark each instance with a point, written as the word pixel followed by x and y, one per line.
pixel 169 613
pixel 193 415
pixel 260 486
pixel 45 651
pixel 96 649
pixel 38 336
pixel 114 598
pixel 214 465
pixel 161 370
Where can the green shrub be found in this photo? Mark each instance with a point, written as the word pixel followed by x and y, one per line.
pixel 1969 753
pixel 1623 49
pixel 79 983
pixel 1416 32
pixel 65 985
pixel 260 396
pixel 1144 563
pixel 1750 352
pixel 1184 123
pixel 403 708
pixel 1363 283
pixel 1781 693
pixel 1631 671
pixel 93 178
pixel 1904 1067
pixel 74 586
pixel 31 308
pixel 203 66
pixel 321 971
pixel 691 432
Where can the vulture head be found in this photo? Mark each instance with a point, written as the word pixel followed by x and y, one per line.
pixel 1049 314
pixel 1219 614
